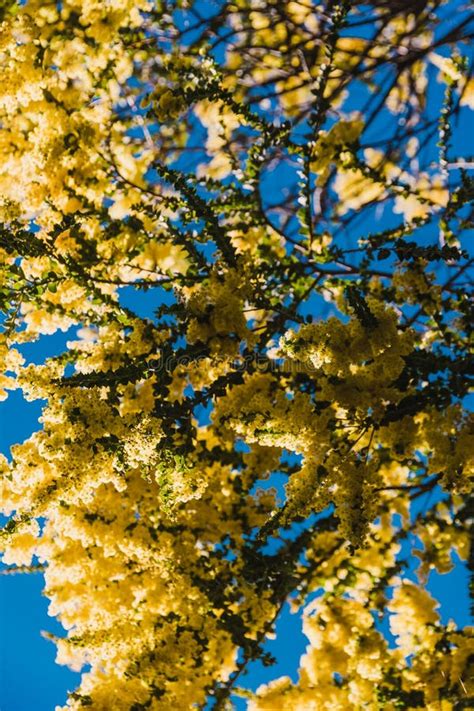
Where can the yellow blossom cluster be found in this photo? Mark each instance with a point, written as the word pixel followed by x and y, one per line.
pixel 346 661
pixel 86 473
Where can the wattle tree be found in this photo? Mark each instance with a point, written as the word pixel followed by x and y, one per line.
pixel 251 218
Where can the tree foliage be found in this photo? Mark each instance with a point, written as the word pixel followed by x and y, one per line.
pixel 282 181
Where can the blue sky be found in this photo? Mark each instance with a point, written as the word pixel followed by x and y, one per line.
pixel 30 680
